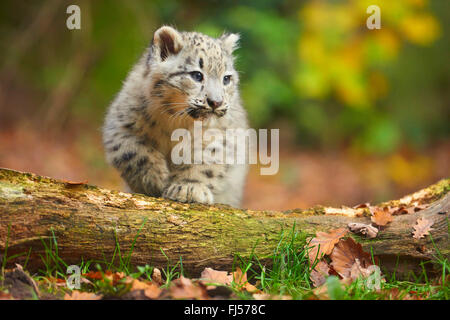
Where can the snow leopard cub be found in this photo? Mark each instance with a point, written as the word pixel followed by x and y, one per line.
pixel 181 78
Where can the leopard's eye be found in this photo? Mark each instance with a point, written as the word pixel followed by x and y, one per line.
pixel 197 76
pixel 226 80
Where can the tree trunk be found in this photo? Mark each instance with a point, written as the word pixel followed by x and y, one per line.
pixel 87 222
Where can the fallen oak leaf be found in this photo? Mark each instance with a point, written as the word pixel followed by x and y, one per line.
pixel 5 296
pixel 58 282
pixel 381 217
pixel 344 211
pixel 108 275
pixel 210 275
pixel 345 254
pixel 150 290
pixel 241 280
pixel 420 207
pixel 357 270
pixel 362 205
pixel 395 294
pixel 266 296
pixel 422 228
pixel 78 295
pixel 366 230
pixel 413 199
pixel 74 184
pixel 324 243
pixel 93 275
pixel 319 274
pixel 183 288
pixel 403 210
pixel 333 284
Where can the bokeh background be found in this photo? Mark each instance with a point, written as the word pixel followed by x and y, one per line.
pixel 363 114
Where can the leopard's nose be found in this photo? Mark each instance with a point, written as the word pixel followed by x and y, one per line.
pixel 214 104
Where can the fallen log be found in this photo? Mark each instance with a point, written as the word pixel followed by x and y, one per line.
pixel 88 222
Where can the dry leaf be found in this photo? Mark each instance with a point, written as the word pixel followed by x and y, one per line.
pixel 210 275
pixel 344 211
pixel 114 277
pixel 422 228
pixel 5 296
pixel 321 292
pixel 324 243
pixel 362 205
pixel 366 230
pixel 74 184
pixel 266 296
pixel 420 207
pixel 78 295
pixel 396 294
pixel 357 271
pixel 403 210
pixel 381 217
pixel 183 288
pixel 156 276
pixel 151 290
pixel 241 280
pixel 413 199
pixel 345 254
pixel 319 274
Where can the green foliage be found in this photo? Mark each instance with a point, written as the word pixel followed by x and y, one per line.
pixel 313 64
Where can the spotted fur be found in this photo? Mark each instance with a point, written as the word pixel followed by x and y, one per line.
pixel 162 93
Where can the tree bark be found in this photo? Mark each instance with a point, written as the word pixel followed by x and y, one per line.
pixel 87 222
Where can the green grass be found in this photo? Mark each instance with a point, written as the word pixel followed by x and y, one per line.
pixel 287 273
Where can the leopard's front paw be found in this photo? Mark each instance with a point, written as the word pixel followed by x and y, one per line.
pixel 189 192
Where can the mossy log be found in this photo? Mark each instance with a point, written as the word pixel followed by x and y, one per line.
pixel 87 222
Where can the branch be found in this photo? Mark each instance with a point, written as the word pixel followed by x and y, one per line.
pixel 87 221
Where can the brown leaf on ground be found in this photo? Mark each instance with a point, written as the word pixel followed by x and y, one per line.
pixel 362 205
pixel 345 255
pixel 5 296
pixel 156 276
pixel 93 275
pixel 320 293
pixel 420 207
pixel 357 271
pixel 415 199
pixel 150 290
pixel 241 280
pixel 74 184
pixel 344 211
pixel 381 217
pixel 266 296
pixel 319 274
pixel 402 210
pixel 58 282
pixel 396 294
pixel 324 243
pixel 366 230
pixel 78 295
pixel 422 228
pixel 183 288
pixel 210 275
pixel 114 277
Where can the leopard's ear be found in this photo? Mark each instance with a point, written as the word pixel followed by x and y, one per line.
pixel 230 42
pixel 166 42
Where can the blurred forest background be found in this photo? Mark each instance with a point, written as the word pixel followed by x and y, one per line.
pixel 363 114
